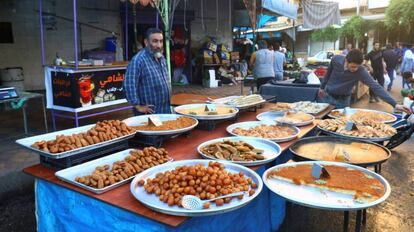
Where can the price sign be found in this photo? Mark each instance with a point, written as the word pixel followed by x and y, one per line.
pixel 154 120
pixel 210 108
pixel 350 126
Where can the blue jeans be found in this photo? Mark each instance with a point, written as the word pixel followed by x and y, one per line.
pixel 339 102
pixel 279 76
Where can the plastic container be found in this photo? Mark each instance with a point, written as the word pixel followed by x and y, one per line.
pixel 110 44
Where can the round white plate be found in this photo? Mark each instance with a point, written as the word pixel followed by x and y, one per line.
pixel 271 149
pixel 319 198
pixel 274 115
pixel 250 124
pixel 152 201
pixel 206 117
pixel 139 120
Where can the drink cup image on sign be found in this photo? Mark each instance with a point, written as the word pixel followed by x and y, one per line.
pixel 85 90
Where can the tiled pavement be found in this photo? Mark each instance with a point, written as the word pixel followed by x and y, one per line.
pixel 17 207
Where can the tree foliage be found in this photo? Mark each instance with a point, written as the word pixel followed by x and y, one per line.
pixel 400 13
pixel 354 27
pixel 326 34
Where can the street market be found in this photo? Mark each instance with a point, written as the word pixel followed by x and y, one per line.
pixel 208 116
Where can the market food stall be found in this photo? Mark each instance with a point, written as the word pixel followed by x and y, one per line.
pixel 132 215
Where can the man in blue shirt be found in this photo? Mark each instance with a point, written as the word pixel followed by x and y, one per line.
pixel 279 61
pixel 147 86
pixel 343 74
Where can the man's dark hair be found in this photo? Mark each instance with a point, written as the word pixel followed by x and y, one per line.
pixel 388 46
pixel 262 44
pixel 151 31
pixel 375 42
pixel 277 46
pixel 355 56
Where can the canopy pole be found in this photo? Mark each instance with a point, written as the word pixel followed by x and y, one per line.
pixel 42 45
pixel 75 34
pixel 167 35
pixel 126 30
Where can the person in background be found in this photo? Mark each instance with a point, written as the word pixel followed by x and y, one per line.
pixel 343 74
pixel 262 63
pixel 279 61
pixel 147 86
pixel 377 68
pixel 407 68
pixel 347 49
pixel 391 61
pixel 398 51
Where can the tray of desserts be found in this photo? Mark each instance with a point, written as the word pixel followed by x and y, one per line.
pixel 207 111
pixel 109 172
pixel 170 124
pixel 365 129
pixel 339 149
pixel 304 106
pixel 293 118
pixel 240 150
pixel 274 131
pixel 326 185
pixel 362 114
pixel 205 179
pixel 65 143
pixel 241 102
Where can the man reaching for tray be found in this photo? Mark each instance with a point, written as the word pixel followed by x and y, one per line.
pixel 146 84
pixel 343 74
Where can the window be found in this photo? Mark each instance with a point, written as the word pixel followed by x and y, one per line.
pixel 6 32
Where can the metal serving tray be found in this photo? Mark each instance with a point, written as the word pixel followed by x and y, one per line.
pixel 377 139
pixel 226 100
pixel 139 120
pixel 271 149
pixel 335 139
pixel 152 201
pixel 250 124
pixel 207 117
pixel 321 199
pixel 27 142
pixel 69 174
pixel 351 111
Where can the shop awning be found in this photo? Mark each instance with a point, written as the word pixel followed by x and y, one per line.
pixel 280 8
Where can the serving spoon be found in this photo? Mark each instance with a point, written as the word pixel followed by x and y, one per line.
pixel 193 202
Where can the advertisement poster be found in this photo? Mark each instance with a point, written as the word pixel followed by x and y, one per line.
pixel 77 90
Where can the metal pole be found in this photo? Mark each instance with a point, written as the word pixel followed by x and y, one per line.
pixel 75 34
pixel 357 8
pixel 156 19
pixel 42 45
pixel 126 30
pixel 167 33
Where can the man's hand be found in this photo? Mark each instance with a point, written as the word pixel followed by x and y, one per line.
pixel 145 109
pixel 321 93
pixel 403 109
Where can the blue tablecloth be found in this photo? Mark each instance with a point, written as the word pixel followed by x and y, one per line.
pixel 61 209
pixel 290 92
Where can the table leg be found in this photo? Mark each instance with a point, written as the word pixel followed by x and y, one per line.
pixel 358 221
pixel 53 120
pixel 44 114
pixel 346 221
pixel 241 87
pixel 364 217
pixel 24 119
pixel 76 119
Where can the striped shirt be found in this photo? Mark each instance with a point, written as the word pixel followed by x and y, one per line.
pixel 146 82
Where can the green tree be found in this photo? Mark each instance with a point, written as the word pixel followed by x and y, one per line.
pixel 400 13
pixel 354 28
pixel 330 34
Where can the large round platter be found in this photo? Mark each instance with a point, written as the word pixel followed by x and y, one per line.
pixel 139 120
pixel 274 115
pixel 373 139
pixel 152 201
pixel 318 198
pixel 207 117
pixel 331 142
pixel 250 124
pixel 351 111
pixel 271 149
